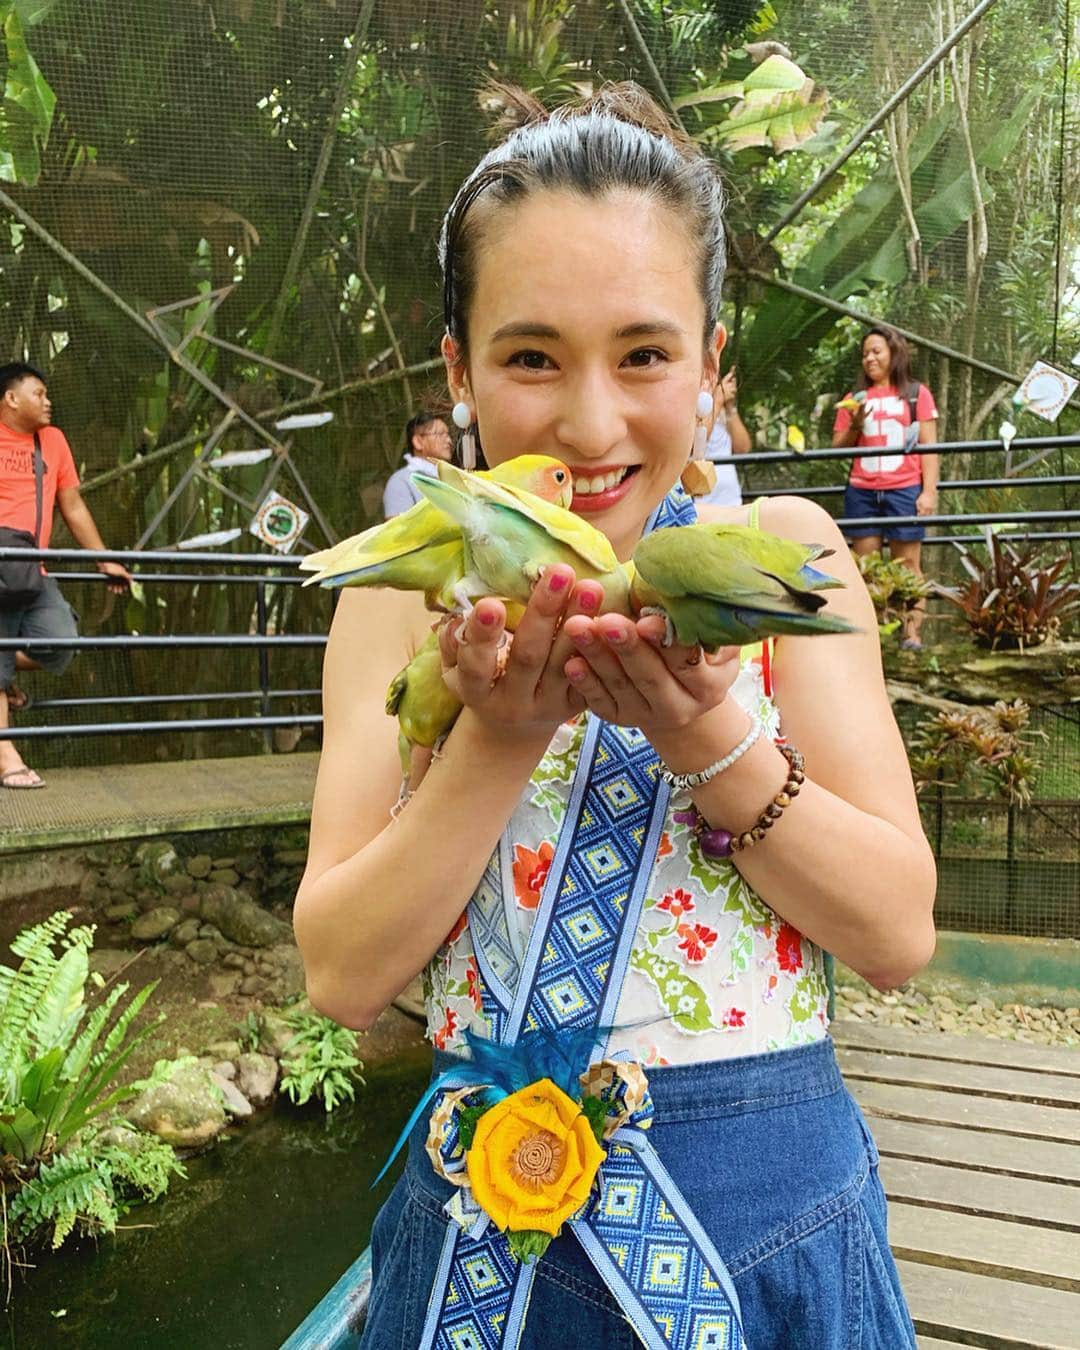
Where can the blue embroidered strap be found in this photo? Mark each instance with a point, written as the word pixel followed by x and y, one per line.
pixel 658 1262
pixel 640 1233
pixel 480 1294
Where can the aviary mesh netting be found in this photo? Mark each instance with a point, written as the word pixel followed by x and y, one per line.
pixel 216 212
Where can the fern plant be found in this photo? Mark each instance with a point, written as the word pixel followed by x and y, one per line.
pixel 57 1060
pixel 88 1188
pixel 320 1061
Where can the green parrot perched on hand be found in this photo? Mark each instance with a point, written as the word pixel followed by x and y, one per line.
pixel 421 550
pixel 726 585
pixel 510 539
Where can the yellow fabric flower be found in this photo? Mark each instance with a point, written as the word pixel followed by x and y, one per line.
pixel 533 1159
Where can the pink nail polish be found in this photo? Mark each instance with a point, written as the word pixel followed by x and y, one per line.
pixel 584 639
pixel 614 636
pixel 557 582
pixel 575 676
pixel 486 617
pixel 589 602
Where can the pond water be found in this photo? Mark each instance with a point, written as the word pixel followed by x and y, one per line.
pixel 237 1255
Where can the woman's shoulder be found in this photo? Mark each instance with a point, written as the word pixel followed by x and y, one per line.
pixel 790 517
pixel 374 626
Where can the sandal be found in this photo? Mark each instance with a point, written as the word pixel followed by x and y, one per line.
pixel 5 779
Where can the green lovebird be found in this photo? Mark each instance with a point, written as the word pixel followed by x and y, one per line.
pixel 726 585
pixel 511 538
pixel 418 698
pixel 421 550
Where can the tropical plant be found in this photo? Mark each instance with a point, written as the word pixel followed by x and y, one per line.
pixel 58 1061
pixel 320 1061
pixel 894 589
pixel 977 749
pixel 89 1187
pixel 1013 599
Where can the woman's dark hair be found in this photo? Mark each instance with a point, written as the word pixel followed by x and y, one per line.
pixel 619 139
pixel 414 424
pixel 899 358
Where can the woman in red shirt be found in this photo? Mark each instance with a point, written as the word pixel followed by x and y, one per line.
pixel 897 414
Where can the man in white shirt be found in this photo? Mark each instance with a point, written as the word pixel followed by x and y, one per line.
pixel 427 442
pixel 729 437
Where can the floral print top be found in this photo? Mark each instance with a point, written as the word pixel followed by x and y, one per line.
pixel 714 972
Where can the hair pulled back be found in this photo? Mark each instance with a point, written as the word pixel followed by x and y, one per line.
pixel 899 357
pixel 619 139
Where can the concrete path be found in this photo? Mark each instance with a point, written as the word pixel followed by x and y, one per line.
pixel 125 801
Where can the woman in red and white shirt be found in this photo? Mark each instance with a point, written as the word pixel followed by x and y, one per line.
pixel 897 414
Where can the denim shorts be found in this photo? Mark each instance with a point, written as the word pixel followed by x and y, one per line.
pixel 781 1170
pixel 50 616
pixel 861 502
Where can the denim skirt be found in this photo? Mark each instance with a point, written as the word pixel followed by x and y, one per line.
pixel 777 1163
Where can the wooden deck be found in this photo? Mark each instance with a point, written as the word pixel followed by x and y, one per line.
pixel 125 801
pixel 980 1157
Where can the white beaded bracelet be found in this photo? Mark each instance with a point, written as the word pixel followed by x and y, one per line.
pixel 681 781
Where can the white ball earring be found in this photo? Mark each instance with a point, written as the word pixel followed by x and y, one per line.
pixel 462 417
pixel 704 404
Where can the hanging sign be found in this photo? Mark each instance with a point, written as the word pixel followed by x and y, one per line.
pixel 278 522
pixel 1045 391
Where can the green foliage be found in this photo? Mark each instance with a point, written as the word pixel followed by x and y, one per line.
pixel 58 1062
pixel 29 102
pixel 320 1061
pixel 594 1109
pixel 89 1187
pixel 528 1244
pixel 976 752
pixel 894 588
pixel 778 108
pixel 1014 599
pixel 468 1119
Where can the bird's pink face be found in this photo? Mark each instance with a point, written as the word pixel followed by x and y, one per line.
pixel 585 343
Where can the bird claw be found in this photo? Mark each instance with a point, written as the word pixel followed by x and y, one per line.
pixel 669 627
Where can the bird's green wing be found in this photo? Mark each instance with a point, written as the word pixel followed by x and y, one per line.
pixel 576 534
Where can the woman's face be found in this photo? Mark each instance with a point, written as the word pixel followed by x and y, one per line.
pixel 876 360
pixel 585 342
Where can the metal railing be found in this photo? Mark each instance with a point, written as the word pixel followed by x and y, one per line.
pixel 262 641
pixel 277 570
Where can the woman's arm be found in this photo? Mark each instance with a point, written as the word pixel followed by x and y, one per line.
pixel 379 896
pixel 847 863
pixel 926 503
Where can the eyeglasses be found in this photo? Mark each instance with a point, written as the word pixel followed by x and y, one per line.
pixel 443 435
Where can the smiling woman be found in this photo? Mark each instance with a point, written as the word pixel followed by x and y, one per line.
pixel 684 871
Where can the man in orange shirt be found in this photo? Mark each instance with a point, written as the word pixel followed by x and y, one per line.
pixel 26 414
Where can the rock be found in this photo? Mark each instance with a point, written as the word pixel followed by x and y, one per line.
pixel 276 1035
pixel 224 862
pixel 147 898
pixel 208 930
pixel 240 919
pixel 251 984
pixel 235 1102
pixel 224 1068
pixel 291 857
pixel 203 951
pixel 185 1111
pixel 232 961
pixel 126 909
pixel 256 1076
pixel 224 876
pixel 226 1049
pixel 199 866
pixel 156 860
pixel 119 878
pixel 189 904
pixel 155 924
pixel 249 966
pixel 187 930
pixel 108 961
pixel 224 983
pixel 178 885
pixel 246 863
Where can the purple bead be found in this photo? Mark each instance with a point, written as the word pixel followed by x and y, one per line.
pixel 715 843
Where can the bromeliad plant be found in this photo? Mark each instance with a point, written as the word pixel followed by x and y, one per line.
pixel 978 749
pixel 1014 599
pixel 894 589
